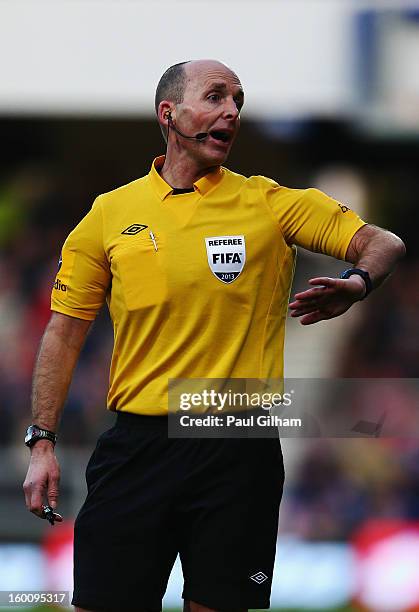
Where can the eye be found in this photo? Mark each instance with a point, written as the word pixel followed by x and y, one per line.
pixel 214 97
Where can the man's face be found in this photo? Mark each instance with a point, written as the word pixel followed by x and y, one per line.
pixel 212 102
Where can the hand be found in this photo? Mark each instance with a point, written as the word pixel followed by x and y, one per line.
pixel 332 298
pixel 42 480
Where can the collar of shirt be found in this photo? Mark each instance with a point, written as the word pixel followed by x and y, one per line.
pixel 163 189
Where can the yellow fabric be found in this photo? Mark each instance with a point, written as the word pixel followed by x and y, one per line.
pixel 172 316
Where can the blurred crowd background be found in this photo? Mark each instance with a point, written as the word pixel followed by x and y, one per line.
pixel 366 154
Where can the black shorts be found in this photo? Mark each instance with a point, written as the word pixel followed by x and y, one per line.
pixel 213 501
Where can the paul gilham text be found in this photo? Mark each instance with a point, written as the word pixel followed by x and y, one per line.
pixel 263 420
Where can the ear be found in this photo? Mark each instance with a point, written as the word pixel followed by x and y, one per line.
pixel 165 110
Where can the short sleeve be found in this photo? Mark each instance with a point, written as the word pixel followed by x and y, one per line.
pixel 311 219
pixel 83 274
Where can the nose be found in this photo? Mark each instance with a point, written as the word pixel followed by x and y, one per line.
pixel 230 110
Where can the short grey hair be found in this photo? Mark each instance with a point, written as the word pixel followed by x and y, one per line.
pixel 172 85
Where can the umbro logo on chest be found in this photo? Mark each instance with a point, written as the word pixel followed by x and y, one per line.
pixel 133 229
pixel 226 256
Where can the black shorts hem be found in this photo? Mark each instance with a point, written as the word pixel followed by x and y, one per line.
pixel 228 601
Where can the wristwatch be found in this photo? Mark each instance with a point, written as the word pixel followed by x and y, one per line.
pixel 35 433
pixel 363 274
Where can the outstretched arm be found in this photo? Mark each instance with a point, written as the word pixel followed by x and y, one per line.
pixel 60 348
pixel 372 249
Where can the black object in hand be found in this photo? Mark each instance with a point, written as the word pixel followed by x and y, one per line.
pixel 48 513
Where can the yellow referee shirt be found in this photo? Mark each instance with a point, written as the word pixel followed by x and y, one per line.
pixel 197 284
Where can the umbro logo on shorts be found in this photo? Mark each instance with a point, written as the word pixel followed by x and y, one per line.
pixel 226 256
pixel 133 229
pixel 259 577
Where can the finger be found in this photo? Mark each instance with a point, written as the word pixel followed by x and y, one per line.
pixel 26 491
pixel 53 492
pixel 303 304
pixel 58 517
pixel 312 295
pixel 36 500
pixel 325 281
pixel 304 310
pixel 299 304
pixel 38 513
pixel 315 317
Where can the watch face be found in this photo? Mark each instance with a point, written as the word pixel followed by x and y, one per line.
pixel 31 432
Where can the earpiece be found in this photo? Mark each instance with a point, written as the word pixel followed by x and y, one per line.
pixel 170 125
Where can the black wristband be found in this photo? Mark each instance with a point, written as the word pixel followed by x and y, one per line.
pixel 363 274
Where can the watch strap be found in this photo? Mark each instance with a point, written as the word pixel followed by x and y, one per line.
pixel 363 274
pixel 35 433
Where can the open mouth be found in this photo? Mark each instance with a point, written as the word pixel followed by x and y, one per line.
pixel 220 135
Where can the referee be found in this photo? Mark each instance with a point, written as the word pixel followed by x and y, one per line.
pixel 195 263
